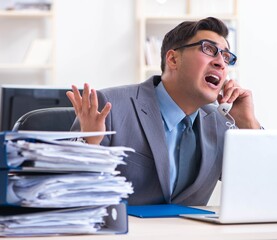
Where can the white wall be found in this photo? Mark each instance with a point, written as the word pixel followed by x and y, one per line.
pixel 96 42
pixel 258 51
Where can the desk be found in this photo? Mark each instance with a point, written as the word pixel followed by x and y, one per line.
pixel 179 228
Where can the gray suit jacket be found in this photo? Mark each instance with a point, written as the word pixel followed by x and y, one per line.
pixel 136 118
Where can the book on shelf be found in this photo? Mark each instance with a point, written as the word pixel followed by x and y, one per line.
pixel 232 39
pixel 27 5
pixel 153 51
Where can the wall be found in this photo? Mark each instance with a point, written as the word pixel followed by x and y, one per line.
pixel 258 41
pixel 96 42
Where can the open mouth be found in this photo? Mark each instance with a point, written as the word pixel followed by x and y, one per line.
pixel 213 79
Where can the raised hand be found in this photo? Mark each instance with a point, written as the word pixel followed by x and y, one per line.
pixel 86 109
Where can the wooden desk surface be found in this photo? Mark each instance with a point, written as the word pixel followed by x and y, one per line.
pixel 179 228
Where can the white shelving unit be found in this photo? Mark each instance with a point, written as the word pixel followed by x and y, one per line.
pixel 27 46
pixel 156 17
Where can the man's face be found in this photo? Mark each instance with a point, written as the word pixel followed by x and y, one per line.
pixel 200 77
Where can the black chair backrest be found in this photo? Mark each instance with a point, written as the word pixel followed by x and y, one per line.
pixel 46 119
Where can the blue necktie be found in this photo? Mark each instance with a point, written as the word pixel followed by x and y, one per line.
pixel 186 164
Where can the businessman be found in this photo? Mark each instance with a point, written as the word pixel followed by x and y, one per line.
pixel 150 116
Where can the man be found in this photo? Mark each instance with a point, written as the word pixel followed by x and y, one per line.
pixel 149 116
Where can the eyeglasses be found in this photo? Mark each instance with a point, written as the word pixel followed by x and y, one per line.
pixel 212 50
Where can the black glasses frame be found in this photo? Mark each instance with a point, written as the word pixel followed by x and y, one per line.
pixel 233 57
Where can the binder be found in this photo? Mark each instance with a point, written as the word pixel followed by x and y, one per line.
pixel 3 186
pixel 116 222
pixel 3 156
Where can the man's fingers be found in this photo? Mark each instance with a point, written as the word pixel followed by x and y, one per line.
pixel 236 91
pixel 75 98
pixel 71 98
pixel 86 105
pixel 86 99
pixel 93 100
pixel 231 91
pixel 106 110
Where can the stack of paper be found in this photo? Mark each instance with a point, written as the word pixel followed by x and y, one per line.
pixel 78 178
pixel 64 156
pixel 86 220
pixel 67 190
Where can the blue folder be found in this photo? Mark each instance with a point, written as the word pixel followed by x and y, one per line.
pixel 163 210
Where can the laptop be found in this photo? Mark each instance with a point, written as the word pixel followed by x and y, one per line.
pixel 249 179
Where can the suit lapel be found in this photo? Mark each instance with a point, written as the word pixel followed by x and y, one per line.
pixel 149 115
pixel 209 141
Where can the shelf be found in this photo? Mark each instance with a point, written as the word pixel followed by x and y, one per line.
pixel 25 13
pixel 27 45
pixel 153 27
pixel 20 66
pixel 168 19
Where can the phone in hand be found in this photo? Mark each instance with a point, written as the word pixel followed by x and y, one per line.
pixel 224 108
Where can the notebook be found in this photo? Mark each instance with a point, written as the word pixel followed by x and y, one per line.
pixel 249 178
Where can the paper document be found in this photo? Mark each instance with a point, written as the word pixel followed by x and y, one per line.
pixel 54 135
pixel 64 156
pixel 66 190
pixel 68 174
pixel 86 220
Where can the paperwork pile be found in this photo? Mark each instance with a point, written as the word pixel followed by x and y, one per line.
pixel 86 220
pixel 70 184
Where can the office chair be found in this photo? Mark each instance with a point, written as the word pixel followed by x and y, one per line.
pixel 46 119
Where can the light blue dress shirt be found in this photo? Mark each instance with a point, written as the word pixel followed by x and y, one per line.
pixel 172 116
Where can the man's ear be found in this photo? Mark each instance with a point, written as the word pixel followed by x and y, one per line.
pixel 171 59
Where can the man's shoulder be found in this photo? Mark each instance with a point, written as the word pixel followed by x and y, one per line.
pixel 130 89
pixel 123 88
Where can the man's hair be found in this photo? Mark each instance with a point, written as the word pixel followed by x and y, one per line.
pixel 183 32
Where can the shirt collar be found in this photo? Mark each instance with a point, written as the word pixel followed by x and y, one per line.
pixel 171 112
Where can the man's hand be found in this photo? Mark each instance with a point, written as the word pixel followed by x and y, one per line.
pixel 243 108
pixel 86 109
